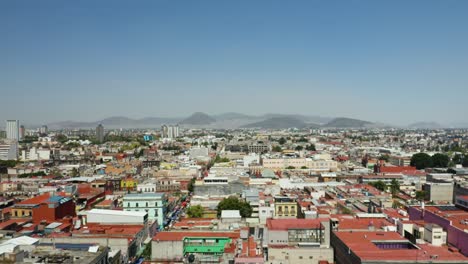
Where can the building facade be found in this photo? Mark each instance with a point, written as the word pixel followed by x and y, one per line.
pixel 154 204
pixel 12 129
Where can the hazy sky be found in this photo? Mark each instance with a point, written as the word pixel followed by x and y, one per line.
pixel 387 61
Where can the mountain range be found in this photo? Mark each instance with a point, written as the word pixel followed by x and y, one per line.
pixel 227 121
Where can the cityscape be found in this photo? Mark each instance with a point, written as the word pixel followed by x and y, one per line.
pixel 308 132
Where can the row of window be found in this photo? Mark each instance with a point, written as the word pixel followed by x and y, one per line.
pixel 147 204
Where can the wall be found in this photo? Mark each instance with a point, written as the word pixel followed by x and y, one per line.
pixel 166 250
pixel 299 255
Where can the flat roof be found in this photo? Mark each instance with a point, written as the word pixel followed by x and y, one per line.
pixel 363 245
pixel 116 212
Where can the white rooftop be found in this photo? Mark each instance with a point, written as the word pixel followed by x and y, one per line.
pixel 116 212
pixel 230 214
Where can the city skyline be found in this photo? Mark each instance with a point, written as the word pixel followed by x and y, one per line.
pixel 396 62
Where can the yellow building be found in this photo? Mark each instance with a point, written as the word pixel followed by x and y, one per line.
pixel 128 184
pixel 286 207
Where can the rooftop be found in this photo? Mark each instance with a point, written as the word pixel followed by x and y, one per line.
pixel 178 236
pixel 365 246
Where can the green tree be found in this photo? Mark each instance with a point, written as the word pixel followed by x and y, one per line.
pixel 384 157
pixel 299 148
pixel 147 252
pixel 61 138
pixel 195 211
pixel 310 147
pixel 290 167
pixel 304 167
pixel 457 158
pixel 421 161
pixel 420 195
pixel 8 163
pixel 74 172
pixel 234 203
pixel 277 149
pixel 379 185
pixel 282 141
pixel 440 160
pixel 191 184
pixel 394 187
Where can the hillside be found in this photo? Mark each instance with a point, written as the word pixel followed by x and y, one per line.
pixel 343 122
pixel 278 123
pixel 198 119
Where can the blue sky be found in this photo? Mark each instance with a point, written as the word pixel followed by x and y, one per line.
pixel 388 61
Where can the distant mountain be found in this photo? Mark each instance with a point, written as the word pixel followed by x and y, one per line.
pixel 343 122
pixel 198 119
pixel 425 125
pixel 116 122
pixel 303 118
pixel 233 116
pixel 279 123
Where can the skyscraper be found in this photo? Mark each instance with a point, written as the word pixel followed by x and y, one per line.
pixel 22 132
pixel 100 133
pixel 170 131
pixel 12 129
pixel 44 129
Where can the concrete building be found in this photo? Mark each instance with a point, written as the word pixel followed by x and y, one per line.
pixel 100 133
pixel 44 129
pixel 35 154
pixel 22 132
pixel 170 247
pixel 152 203
pixel 8 150
pixel 116 217
pixel 439 192
pixel 170 131
pixel 286 207
pixel 298 241
pixel 12 130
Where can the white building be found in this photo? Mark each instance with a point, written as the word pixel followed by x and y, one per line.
pixel 12 129
pixel 116 217
pixel 9 150
pixel 170 131
pixel 35 154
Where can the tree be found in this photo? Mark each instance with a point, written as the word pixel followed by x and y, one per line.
pixel 281 141
pixel 379 185
pixel 299 148
pixel 195 211
pixel 384 157
pixel 304 167
pixel 310 147
pixel 421 161
pixel 290 167
pixel 302 139
pixel 277 149
pixel 457 159
pixel 234 203
pixel 440 160
pixel 394 187
pixel 74 172
pixel 420 195
pixel 191 184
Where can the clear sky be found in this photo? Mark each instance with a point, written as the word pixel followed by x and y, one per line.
pixel 389 61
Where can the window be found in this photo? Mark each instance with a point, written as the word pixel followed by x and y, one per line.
pixel 146 204
pixel 136 204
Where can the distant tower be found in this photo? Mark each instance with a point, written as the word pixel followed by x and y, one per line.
pixel 44 129
pixel 22 132
pixel 12 130
pixel 100 133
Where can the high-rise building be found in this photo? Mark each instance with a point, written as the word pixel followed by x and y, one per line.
pixel 44 129
pixel 9 150
pixel 170 131
pixel 22 132
pixel 100 133
pixel 12 129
